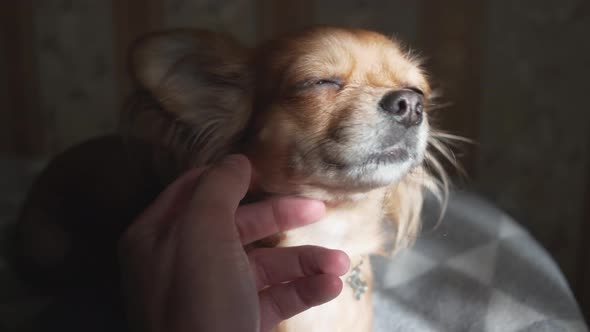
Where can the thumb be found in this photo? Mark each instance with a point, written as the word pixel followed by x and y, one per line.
pixel 209 236
pixel 224 184
pixel 216 198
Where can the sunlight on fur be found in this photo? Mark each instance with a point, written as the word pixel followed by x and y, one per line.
pixel 329 113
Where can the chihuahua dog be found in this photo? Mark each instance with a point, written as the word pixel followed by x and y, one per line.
pixel 335 114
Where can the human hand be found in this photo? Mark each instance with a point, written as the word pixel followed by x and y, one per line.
pixel 185 268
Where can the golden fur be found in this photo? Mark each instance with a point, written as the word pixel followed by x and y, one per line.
pixel 202 120
pixel 213 98
pixel 303 108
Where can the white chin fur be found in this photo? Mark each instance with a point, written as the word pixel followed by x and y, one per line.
pixel 385 174
pixel 367 176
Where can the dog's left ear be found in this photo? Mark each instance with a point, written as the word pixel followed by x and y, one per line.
pixel 193 92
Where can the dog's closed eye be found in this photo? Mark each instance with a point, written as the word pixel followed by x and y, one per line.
pixel 332 82
pixel 323 122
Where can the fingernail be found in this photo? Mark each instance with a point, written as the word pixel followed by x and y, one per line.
pixel 233 160
pixel 343 260
pixel 313 210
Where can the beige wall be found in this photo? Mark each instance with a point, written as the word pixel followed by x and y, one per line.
pixel 76 76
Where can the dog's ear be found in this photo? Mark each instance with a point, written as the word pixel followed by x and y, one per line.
pixel 193 93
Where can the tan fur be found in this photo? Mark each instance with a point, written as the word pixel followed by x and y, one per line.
pixel 192 99
pixel 282 118
pixel 305 110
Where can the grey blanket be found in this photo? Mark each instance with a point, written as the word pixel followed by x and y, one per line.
pixel 477 271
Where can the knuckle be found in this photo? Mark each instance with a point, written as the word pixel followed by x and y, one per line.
pixel 259 268
pixel 276 307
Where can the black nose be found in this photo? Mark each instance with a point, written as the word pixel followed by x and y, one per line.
pixel 405 106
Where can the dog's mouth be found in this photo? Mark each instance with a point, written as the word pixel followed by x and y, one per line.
pixel 364 159
pixel 395 154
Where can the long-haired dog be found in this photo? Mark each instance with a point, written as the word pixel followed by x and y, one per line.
pixel 340 115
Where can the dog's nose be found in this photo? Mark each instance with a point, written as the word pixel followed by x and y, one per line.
pixel 405 106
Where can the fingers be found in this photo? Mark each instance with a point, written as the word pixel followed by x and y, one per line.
pixel 216 197
pixel 272 266
pixel 259 220
pixel 283 301
pixel 221 187
pixel 224 185
pixel 295 279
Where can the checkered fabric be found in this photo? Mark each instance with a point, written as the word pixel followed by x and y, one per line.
pixel 478 270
